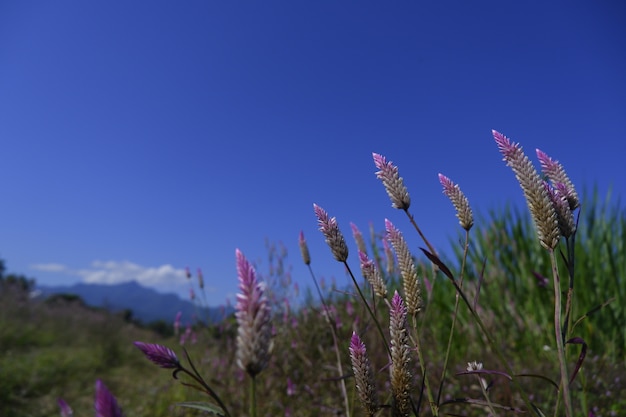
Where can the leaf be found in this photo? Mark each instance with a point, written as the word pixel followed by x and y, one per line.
pixel 581 357
pixel 209 408
pixel 435 259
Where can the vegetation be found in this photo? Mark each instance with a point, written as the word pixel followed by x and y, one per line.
pixel 474 334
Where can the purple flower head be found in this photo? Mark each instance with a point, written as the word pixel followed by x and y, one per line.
pixel 159 355
pixel 537 197
pixel 291 387
pixel 394 185
pixel 66 410
pixel 363 374
pixel 410 282
pixel 105 404
pixel 334 238
pixel 187 273
pixel 254 334
pixel 304 249
pixel 400 375
pixel 459 201
pixel 556 173
pixel 358 238
pixel 200 279
pixel 372 275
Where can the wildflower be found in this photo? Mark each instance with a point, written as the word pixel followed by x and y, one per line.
pixel 66 410
pixel 304 249
pixel 159 355
pixel 564 214
pixel 388 257
pixel 400 375
pixel 474 366
pixel 372 275
pixel 105 404
pixel 334 238
pixel 358 238
pixel 200 279
pixel 394 185
pixel 254 333
pixel 363 374
pixel 291 388
pixel 410 283
pixel 187 272
pixel 177 322
pixel 192 294
pixel 537 198
pixel 556 173
pixel 459 201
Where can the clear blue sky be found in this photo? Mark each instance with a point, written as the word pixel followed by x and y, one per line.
pixel 141 137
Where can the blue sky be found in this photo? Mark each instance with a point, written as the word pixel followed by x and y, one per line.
pixel 138 138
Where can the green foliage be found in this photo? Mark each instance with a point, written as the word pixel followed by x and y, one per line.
pixel 505 242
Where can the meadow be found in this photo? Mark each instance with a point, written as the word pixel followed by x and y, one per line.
pixel 520 320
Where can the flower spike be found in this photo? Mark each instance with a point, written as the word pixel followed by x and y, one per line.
pixel 334 238
pixel 394 185
pixel 537 198
pixel 105 404
pixel 363 374
pixel 159 355
pixel 556 173
pixel 400 375
pixel 459 201
pixel 410 283
pixel 254 333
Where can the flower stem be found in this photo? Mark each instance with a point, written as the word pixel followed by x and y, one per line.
pixel 558 331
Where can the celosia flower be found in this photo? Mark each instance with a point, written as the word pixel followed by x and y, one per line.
pixel 394 185
pixel 564 215
pixel 66 410
pixel 304 249
pixel 159 355
pixel 372 275
pixel 390 262
pixel 537 198
pixel 459 201
pixel 400 375
pixel 556 173
pixel 254 333
pixel 411 287
pixel 358 238
pixel 105 404
pixel 200 279
pixel 363 374
pixel 334 238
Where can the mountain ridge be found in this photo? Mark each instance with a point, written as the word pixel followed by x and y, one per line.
pixel 147 304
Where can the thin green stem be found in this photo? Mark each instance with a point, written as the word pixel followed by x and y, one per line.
pixel 252 396
pixel 371 313
pixel 418 347
pixel 481 382
pixel 333 329
pixel 419 231
pixel 195 375
pixel 495 348
pixel 558 331
pixel 454 317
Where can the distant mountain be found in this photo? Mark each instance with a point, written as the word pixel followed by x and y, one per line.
pixel 146 304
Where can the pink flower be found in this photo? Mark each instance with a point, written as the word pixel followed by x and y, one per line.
pixel 105 404
pixel 160 355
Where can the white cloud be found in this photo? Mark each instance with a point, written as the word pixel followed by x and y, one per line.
pixel 114 272
pixel 164 278
pixel 50 267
